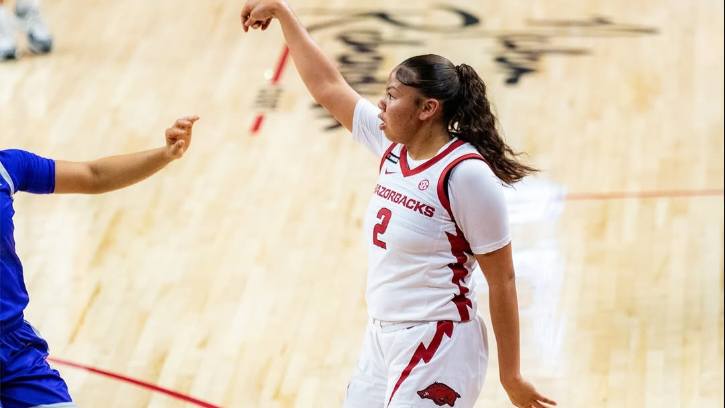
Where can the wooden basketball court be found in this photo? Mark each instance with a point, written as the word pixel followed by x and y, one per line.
pixel 236 277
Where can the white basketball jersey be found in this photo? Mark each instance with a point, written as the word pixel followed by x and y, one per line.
pixel 420 263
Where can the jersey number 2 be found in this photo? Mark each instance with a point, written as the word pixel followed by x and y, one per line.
pixel 384 217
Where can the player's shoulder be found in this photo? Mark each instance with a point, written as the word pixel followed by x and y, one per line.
pixel 473 168
pixel 13 159
pixel 8 160
pixel 8 155
pixel 366 104
pixel 16 162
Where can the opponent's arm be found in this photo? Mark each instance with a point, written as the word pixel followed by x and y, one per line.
pixel 115 172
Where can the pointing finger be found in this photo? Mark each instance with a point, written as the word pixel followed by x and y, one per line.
pixel 542 398
pixel 246 11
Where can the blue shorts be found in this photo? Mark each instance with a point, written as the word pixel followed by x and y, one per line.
pixel 26 379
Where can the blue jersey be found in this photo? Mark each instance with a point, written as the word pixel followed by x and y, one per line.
pixel 19 171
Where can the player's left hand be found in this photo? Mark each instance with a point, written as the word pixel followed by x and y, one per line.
pixel 523 394
pixel 178 137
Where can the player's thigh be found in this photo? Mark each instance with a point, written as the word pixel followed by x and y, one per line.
pixel 368 383
pixel 443 364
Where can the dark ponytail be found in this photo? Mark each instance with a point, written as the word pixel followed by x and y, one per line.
pixel 466 110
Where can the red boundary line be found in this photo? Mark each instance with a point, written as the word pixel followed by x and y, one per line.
pixel 257 123
pixel 280 65
pixel 275 79
pixel 141 384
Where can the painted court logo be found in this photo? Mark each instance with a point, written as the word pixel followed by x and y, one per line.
pixel 440 394
pixel 363 41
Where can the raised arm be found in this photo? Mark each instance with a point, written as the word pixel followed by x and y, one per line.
pixel 498 267
pixel 317 71
pixel 113 173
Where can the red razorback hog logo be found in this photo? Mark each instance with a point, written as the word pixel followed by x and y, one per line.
pixel 440 394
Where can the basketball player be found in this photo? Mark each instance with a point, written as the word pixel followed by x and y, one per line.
pixel 438 208
pixel 26 379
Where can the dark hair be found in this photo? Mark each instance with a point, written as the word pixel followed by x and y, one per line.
pixel 466 109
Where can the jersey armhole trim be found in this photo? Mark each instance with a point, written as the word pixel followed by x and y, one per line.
pixel 443 181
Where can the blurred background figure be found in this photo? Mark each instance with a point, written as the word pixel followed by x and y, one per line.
pixel 25 18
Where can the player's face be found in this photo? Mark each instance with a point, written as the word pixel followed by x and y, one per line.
pixel 401 108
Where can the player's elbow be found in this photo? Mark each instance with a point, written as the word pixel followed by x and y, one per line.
pixel 93 179
pixel 500 278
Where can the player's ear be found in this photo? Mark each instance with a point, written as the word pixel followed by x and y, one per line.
pixel 429 108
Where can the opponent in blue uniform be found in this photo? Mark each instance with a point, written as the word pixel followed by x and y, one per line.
pixel 26 379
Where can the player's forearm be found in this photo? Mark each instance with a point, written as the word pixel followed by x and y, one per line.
pixel 317 71
pixel 115 172
pixel 503 303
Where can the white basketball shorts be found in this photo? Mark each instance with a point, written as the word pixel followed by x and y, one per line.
pixel 420 364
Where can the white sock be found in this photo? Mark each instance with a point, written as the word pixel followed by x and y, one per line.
pixel 7 27
pixel 28 4
pixel 4 16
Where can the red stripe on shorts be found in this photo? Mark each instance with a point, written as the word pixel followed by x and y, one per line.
pixel 423 353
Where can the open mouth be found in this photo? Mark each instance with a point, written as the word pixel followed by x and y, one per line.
pixel 382 124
